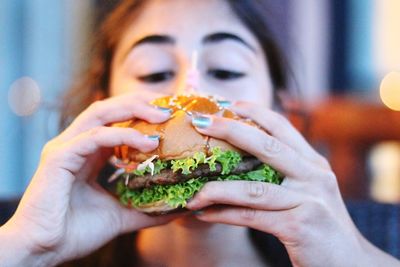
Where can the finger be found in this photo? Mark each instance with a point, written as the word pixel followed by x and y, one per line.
pixel 256 195
pixel 117 109
pixel 278 126
pixel 73 154
pixel 90 141
pixel 272 222
pixel 126 219
pixel 265 147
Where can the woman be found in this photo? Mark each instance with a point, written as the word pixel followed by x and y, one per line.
pixel 146 50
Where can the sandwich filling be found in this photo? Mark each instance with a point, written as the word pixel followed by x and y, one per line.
pixel 176 181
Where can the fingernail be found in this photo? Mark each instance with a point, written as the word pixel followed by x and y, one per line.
pixel 201 121
pixel 198 212
pixel 224 103
pixel 153 137
pixel 165 110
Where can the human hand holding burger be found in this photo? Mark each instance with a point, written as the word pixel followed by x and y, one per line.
pixel 64 214
pixel 305 212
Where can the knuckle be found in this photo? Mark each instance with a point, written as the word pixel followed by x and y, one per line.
pixel 94 132
pixel 51 152
pixel 227 128
pixel 325 181
pixel 249 214
pixel 251 109
pixel 315 207
pixel 243 104
pixel 272 146
pixel 330 182
pixel 203 193
pixel 96 105
pixel 256 190
pixel 296 229
pixel 323 162
pixel 300 221
pixel 278 121
pixel 48 149
pixel 129 134
pixel 152 119
pixel 95 109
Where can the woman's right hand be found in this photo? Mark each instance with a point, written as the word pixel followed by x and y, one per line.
pixel 64 214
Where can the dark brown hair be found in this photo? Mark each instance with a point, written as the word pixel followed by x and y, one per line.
pixel 94 83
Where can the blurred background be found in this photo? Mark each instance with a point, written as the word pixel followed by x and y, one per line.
pixel 344 55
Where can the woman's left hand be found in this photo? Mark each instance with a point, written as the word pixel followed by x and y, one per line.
pixel 306 212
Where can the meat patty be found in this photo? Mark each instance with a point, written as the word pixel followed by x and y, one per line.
pixel 167 176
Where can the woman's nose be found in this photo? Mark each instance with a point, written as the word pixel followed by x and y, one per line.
pixel 188 81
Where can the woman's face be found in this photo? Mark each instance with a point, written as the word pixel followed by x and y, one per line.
pixel 158 48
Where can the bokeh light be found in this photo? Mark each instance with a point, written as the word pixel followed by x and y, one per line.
pixel 390 90
pixel 24 96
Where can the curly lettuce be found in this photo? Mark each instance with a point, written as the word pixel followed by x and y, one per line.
pixel 177 195
pixel 174 195
pixel 159 165
pixel 228 160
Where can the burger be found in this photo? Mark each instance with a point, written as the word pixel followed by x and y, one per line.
pixel 163 180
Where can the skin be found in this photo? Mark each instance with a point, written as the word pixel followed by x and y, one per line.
pixel 130 64
pixel 133 61
pixel 62 201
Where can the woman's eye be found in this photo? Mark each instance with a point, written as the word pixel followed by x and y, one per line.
pixel 157 77
pixel 221 74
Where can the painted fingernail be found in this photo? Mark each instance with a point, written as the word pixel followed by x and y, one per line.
pixel 201 121
pixel 197 212
pixel 165 110
pixel 224 103
pixel 153 137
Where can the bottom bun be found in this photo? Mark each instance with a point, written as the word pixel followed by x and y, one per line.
pixel 157 208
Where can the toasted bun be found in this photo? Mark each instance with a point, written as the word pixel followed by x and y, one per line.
pixel 156 208
pixel 178 138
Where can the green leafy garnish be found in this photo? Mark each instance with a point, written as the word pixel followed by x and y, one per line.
pixel 184 165
pixel 263 174
pixel 228 160
pixel 177 195
pixel 159 165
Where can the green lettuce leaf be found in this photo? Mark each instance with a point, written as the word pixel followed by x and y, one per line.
pixel 228 160
pixel 159 165
pixel 177 195
pixel 185 165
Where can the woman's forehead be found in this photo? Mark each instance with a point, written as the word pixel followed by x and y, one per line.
pixel 188 22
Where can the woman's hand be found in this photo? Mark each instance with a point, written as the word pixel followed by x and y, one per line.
pixel 306 212
pixel 64 214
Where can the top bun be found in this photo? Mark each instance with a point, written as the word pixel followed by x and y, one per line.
pixel 178 138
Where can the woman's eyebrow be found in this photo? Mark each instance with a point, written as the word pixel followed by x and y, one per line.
pixel 210 38
pixel 151 39
pixel 154 39
pixel 222 36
